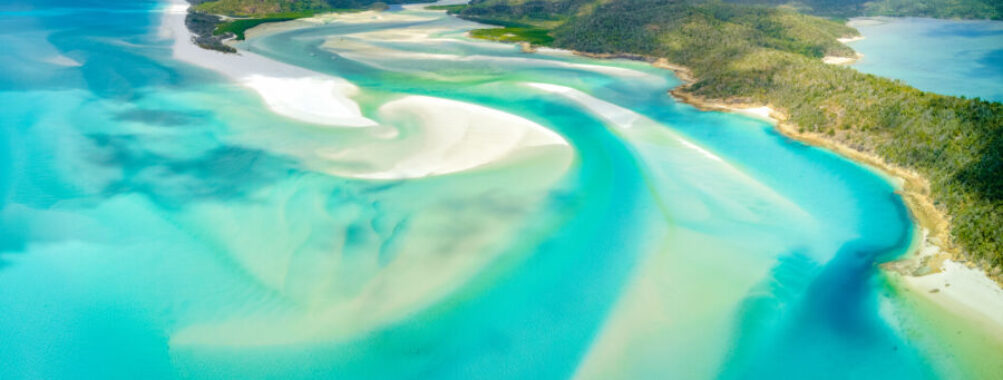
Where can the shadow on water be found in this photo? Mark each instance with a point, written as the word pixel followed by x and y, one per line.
pixel 992 63
pixel 112 55
pixel 162 118
pixel 222 173
pixel 964 29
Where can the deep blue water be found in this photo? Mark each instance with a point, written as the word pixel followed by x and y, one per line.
pixel 952 57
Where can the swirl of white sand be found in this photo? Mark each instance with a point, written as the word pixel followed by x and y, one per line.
pixel 723 186
pixel 398 60
pixel 440 136
pixel 363 47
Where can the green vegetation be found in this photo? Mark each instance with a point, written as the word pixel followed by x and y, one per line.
pixel 239 26
pixel 966 9
pixel 202 26
pixel 451 9
pixel 771 56
pixel 262 8
pixel 271 8
pixel 251 13
pixel 514 34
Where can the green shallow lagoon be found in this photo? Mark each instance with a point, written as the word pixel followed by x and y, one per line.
pixel 159 221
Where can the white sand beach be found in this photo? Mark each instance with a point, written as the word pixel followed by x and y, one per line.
pixel 963 290
pixel 960 289
pixel 288 90
pixel 847 40
pixel 762 113
pixel 417 136
pixel 834 60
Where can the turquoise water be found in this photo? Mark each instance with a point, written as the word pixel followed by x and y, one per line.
pixel 158 221
pixel 949 57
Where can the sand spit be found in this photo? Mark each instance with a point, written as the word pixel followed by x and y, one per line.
pixel 418 136
pixel 612 113
pixel 288 90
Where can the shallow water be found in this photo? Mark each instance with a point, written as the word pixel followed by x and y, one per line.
pixel 951 57
pixel 160 222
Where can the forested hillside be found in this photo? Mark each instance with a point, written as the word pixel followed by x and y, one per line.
pixel 967 9
pixel 260 8
pixel 211 30
pixel 770 56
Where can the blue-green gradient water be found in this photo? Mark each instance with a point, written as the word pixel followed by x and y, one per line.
pixel 951 57
pixel 159 221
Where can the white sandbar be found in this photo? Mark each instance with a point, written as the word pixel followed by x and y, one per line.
pixel 287 90
pixel 440 136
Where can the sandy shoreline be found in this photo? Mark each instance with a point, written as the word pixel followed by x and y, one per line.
pixel 847 40
pixel 295 93
pixel 934 267
pixel 834 60
pixel 287 90
pixel 417 136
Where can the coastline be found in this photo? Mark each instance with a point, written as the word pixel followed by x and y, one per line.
pixel 932 257
pixel 287 90
pixel 476 136
pixel 834 60
pixel 934 223
pixel 933 262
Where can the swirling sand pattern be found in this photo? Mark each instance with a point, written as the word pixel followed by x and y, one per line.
pixel 461 210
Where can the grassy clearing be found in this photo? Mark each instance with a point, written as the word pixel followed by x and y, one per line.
pixel 534 36
pixel 451 9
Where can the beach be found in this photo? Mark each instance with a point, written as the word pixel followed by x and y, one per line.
pixel 287 90
pixel 444 140
pixel 439 208
pixel 977 297
pixel 834 60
